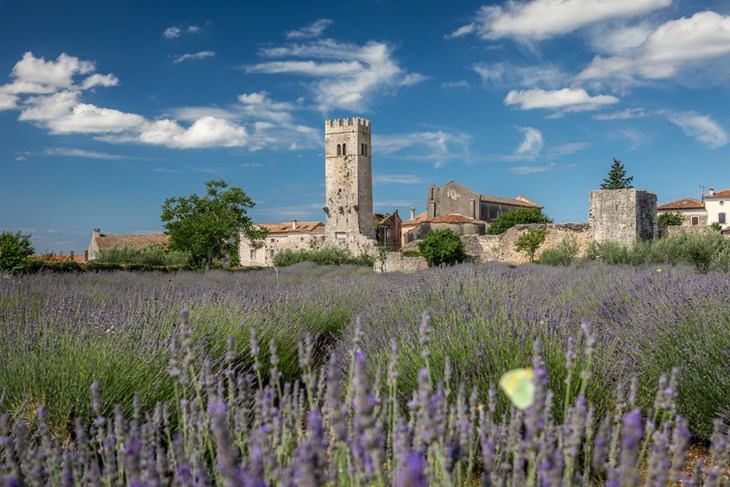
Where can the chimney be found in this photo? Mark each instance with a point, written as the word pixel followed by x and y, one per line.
pixel 413 212
pixel 294 224
pixel 96 233
pixel 710 191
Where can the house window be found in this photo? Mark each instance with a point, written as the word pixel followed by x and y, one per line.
pixel 721 218
pixel 695 220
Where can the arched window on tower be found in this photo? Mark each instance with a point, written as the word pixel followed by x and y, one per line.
pixel 339 150
pixel 364 149
pixel 344 149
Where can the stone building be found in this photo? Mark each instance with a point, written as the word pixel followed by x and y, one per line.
pixel 455 199
pixel 460 225
pixel 623 215
pixel 388 229
pixel 350 222
pixel 106 241
pixel 717 204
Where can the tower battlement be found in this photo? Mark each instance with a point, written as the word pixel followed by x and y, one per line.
pixel 354 123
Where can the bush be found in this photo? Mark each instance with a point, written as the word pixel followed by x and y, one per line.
pixel 411 253
pixel 530 241
pixel 14 249
pixel 325 256
pixel 442 247
pixel 518 216
pixel 561 254
pixel 671 218
pixel 153 255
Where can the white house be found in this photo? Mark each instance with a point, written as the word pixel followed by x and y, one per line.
pixel 717 205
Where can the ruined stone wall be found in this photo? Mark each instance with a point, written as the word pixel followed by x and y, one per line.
pixel 555 233
pixel 452 199
pixel 623 215
pixel 274 244
pixel 396 262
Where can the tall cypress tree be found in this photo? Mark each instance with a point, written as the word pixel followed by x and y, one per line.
pixel 617 177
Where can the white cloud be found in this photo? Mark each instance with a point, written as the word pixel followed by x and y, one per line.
pixel 397 179
pixel 260 106
pixel 348 74
pixel 69 152
pixel 523 170
pixel 625 114
pixel 8 101
pixel 673 46
pixel 503 75
pixel 567 99
pixel 204 132
pixel 193 57
pixel 455 85
pixel 700 127
pixel 543 19
pixel 50 74
pixel 618 39
pixel 172 32
pixel 436 147
pixel 532 144
pixel 105 80
pixel 310 31
pixel 565 149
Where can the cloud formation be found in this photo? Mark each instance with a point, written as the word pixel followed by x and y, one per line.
pixel 700 127
pixel 532 143
pixel 397 179
pixel 193 56
pixel 310 31
pixel 567 99
pixel 674 46
pixel 346 74
pixel 543 19
pixel 176 31
pixel 436 147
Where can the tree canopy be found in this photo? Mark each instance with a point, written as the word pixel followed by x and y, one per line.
pixel 14 248
pixel 530 241
pixel 617 177
pixel 670 218
pixel 509 219
pixel 442 247
pixel 208 227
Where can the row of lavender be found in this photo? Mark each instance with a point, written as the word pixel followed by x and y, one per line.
pixel 335 427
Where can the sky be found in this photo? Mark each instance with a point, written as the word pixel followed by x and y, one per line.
pixel 109 108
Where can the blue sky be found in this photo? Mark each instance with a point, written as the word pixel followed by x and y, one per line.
pixel 108 108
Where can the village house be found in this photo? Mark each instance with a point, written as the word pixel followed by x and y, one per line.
pixel 693 211
pixel 106 241
pixel 712 209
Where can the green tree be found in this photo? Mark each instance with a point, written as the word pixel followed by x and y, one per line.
pixel 716 227
pixel 617 177
pixel 442 247
pixel 208 227
pixel 518 216
pixel 671 218
pixel 14 249
pixel 530 241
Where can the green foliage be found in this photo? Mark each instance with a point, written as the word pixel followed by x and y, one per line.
pixel 442 247
pixel 716 227
pixel 14 249
pixel 530 241
pixel 325 256
pixel 208 227
pixel 671 218
pixel 153 255
pixel 617 177
pixel 518 216
pixel 564 253
pixel 411 253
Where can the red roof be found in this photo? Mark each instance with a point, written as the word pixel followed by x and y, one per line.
pixel 683 204
pixel 453 219
pixel 725 193
pixel 416 221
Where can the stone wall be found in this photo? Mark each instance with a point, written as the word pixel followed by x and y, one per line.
pixel 555 233
pixel 275 243
pixel 623 215
pixel 396 262
pixel 452 199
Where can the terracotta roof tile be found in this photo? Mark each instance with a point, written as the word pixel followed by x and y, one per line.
pixel 519 201
pixel 725 193
pixel 416 221
pixel 453 219
pixel 683 204
pixel 111 240
pixel 314 227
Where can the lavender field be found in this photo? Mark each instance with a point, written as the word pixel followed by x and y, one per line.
pixel 337 376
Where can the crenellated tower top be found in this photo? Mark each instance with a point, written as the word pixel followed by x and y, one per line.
pixel 355 123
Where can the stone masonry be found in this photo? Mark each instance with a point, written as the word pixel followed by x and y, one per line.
pixel 623 215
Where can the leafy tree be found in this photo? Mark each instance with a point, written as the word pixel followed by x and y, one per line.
pixel 716 227
pixel 14 248
pixel 442 247
pixel 208 227
pixel 671 218
pixel 530 241
pixel 617 177
pixel 507 220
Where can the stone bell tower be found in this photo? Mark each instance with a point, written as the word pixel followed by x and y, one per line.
pixel 348 178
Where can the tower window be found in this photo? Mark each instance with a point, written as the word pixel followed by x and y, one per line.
pixel 344 149
pixel 339 150
pixel 363 149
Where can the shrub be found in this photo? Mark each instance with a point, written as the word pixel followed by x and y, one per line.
pixel 14 249
pixel 411 253
pixel 670 218
pixel 324 256
pixel 700 248
pixel 152 255
pixel 561 254
pixel 442 247
pixel 530 241
pixel 518 216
